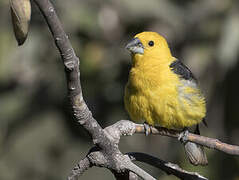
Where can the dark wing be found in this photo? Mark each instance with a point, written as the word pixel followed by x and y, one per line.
pixel 184 72
pixel 179 68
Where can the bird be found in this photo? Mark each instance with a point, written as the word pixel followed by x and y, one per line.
pixel 162 91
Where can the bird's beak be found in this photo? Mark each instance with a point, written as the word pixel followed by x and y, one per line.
pixel 135 46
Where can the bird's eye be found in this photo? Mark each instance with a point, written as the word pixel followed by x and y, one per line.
pixel 151 43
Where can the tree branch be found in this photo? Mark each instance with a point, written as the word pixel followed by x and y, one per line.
pixel 71 64
pixel 99 158
pixel 128 128
pixel 141 173
pixel 167 167
pixel 79 169
pixel 202 140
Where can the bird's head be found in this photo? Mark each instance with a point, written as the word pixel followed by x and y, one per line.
pixel 149 44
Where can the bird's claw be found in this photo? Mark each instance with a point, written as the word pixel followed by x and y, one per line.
pixel 147 129
pixel 183 136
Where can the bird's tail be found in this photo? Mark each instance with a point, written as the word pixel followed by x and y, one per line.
pixel 195 152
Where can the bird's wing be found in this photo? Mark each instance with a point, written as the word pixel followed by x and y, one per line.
pixel 182 70
pixel 187 78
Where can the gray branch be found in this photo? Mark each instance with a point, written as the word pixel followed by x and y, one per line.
pixel 79 169
pixel 202 140
pixel 167 167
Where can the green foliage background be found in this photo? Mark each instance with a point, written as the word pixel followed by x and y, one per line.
pixel 38 137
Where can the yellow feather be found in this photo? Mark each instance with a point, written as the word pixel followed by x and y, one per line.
pixel 155 94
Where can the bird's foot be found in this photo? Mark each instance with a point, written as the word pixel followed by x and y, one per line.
pixel 147 129
pixel 183 136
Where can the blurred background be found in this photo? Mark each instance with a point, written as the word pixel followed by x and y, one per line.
pixel 39 138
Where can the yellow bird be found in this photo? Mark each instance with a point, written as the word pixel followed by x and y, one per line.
pixel 162 91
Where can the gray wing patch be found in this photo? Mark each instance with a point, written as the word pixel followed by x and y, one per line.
pixel 183 71
pixel 187 79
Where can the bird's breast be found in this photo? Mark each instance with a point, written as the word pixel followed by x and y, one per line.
pixel 141 94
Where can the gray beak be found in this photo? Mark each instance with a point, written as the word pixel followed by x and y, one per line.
pixel 135 46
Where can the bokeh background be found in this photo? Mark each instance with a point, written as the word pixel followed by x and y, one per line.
pixel 39 138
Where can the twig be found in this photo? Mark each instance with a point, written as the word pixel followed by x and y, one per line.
pixel 129 128
pixel 79 169
pixel 133 168
pixel 71 64
pixel 167 167
pixel 202 140
pixel 213 144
